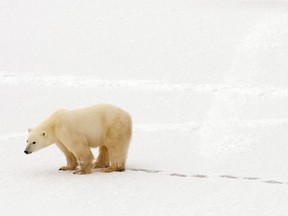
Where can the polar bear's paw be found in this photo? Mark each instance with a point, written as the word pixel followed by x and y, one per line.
pixel 101 164
pixel 112 169
pixel 82 172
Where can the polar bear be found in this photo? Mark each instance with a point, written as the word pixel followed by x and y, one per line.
pixel 76 131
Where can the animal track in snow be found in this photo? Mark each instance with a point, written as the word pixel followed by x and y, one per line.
pixel 181 175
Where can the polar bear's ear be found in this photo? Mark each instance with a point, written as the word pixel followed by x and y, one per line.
pixel 44 133
pixel 29 130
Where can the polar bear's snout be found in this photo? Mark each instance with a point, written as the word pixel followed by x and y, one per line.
pixel 26 151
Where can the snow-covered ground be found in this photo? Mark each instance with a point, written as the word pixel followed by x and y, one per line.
pixel 206 83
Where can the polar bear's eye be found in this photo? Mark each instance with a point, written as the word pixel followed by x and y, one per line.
pixel 34 142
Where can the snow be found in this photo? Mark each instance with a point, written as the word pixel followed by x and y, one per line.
pixel 205 83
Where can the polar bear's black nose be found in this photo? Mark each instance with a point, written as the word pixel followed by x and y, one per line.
pixel 26 152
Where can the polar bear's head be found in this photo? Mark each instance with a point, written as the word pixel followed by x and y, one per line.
pixel 36 140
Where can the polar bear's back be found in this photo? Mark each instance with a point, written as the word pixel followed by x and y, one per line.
pixel 106 113
pixel 96 122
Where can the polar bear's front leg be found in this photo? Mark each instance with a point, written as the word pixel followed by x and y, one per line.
pixel 70 158
pixel 85 160
pixel 77 144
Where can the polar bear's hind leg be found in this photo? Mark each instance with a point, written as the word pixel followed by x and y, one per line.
pixel 103 158
pixel 117 157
